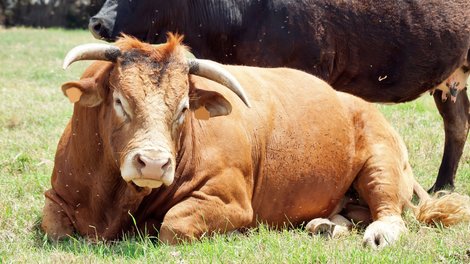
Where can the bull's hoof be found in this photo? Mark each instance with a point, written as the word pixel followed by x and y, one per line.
pixel 382 233
pixel 439 187
pixel 321 227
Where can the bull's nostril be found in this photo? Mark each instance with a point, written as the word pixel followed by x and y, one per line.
pixel 139 163
pixel 167 164
pixel 97 28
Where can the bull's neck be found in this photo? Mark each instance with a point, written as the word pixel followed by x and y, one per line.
pixel 88 178
pixel 89 138
pixel 96 140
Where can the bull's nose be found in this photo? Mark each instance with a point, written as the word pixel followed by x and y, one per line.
pixel 151 168
pixel 96 28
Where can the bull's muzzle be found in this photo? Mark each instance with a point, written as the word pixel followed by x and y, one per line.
pixel 148 170
pixel 152 169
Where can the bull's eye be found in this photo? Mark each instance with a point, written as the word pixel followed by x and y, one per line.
pixel 180 112
pixel 181 115
pixel 119 107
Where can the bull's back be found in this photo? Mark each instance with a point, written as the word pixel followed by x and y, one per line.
pixel 392 51
pixel 301 143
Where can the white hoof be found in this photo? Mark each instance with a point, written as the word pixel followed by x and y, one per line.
pixel 321 226
pixel 383 232
pixel 343 225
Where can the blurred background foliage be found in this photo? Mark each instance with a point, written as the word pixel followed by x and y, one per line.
pixel 48 13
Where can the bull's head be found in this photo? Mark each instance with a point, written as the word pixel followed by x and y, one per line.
pixel 146 95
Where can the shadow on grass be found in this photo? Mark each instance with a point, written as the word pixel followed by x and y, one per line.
pixel 260 243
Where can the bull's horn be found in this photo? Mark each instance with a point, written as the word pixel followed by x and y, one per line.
pixel 92 51
pixel 214 72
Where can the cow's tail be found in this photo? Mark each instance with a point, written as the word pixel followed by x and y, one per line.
pixel 443 207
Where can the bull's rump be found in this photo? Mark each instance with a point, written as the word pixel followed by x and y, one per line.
pixel 300 139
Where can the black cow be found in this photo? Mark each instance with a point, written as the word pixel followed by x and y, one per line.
pixel 382 51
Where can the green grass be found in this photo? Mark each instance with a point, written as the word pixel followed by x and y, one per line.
pixel 34 113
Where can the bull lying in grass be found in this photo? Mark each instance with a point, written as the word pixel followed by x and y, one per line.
pixel 134 147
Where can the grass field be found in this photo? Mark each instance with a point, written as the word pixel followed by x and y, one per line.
pixel 34 113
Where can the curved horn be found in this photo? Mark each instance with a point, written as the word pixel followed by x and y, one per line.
pixel 92 51
pixel 216 73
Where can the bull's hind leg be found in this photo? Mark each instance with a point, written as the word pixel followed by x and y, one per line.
pixel 385 183
pixel 338 224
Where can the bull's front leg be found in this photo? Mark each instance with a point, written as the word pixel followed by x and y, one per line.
pixel 56 224
pixel 456 125
pixel 220 206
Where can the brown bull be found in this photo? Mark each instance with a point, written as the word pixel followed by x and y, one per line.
pixel 134 147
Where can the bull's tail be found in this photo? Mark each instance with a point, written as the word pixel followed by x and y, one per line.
pixel 444 207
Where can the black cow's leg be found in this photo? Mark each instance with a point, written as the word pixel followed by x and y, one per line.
pixel 456 124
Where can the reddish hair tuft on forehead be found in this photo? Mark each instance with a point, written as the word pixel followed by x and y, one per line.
pixel 172 47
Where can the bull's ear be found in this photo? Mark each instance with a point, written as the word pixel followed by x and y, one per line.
pixel 83 91
pixel 214 102
pixel 90 89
